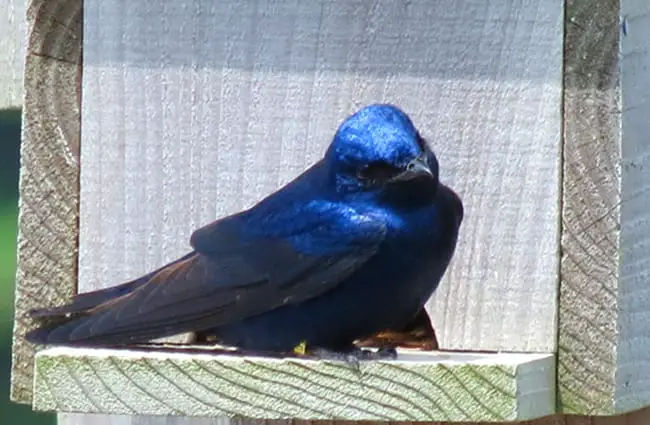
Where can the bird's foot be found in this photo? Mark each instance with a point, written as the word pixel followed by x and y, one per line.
pixel 351 355
pixel 354 355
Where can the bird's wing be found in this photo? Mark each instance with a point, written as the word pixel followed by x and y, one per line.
pixel 230 277
pixel 88 300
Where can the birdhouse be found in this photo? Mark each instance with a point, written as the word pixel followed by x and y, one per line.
pixel 145 120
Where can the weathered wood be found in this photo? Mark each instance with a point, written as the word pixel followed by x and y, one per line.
pixel 225 84
pixel 49 189
pixel 170 78
pixel 603 350
pixel 186 123
pixel 12 56
pixel 633 354
pixel 639 417
pixel 416 387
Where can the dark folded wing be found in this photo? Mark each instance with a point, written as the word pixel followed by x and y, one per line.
pixel 88 300
pixel 227 278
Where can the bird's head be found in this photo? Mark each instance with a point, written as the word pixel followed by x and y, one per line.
pixel 378 150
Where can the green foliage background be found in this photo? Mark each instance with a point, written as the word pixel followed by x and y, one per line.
pixel 9 166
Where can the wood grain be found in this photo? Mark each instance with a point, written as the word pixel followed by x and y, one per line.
pixel 638 417
pixel 603 331
pixel 49 188
pixel 194 110
pixel 12 46
pixel 419 387
pixel 592 300
pixel 633 354
pixel 186 123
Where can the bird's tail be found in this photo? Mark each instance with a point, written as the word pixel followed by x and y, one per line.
pixel 50 319
pixel 55 317
pixel 86 301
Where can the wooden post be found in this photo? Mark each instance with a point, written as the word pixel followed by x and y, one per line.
pixel 193 111
pixel 49 176
pixel 603 355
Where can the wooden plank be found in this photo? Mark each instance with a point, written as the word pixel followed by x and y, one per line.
pixel 172 76
pixel 633 354
pixel 639 417
pixel 49 189
pixel 416 387
pixel 12 46
pixel 186 123
pixel 603 352
pixel 590 216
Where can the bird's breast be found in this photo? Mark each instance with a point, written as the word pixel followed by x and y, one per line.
pixel 419 245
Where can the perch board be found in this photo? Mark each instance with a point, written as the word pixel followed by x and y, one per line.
pixel 418 386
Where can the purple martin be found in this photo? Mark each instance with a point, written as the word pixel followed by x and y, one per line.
pixel 352 247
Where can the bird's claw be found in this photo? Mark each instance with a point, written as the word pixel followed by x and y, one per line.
pixel 386 353
pixel 354 355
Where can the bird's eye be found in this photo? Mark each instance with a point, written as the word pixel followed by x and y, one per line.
pixel 378 171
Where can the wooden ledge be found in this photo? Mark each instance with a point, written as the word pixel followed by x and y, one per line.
pixel 415 387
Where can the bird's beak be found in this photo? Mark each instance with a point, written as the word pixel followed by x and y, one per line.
pixel 414 169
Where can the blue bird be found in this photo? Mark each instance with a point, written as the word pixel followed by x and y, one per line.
pixel 353 246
